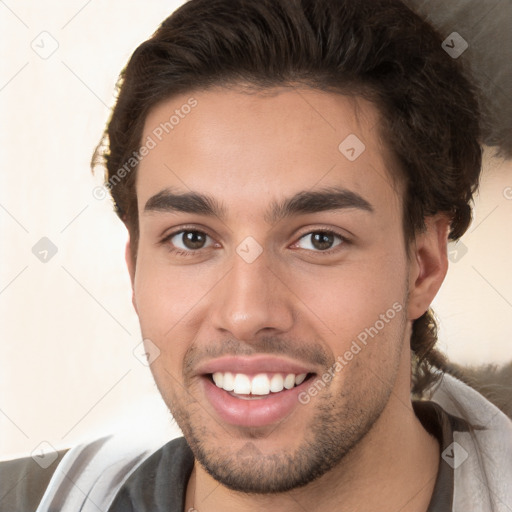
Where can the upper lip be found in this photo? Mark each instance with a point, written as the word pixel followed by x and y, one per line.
pixel 253 365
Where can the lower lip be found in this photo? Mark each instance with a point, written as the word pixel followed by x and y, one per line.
pixel 258 412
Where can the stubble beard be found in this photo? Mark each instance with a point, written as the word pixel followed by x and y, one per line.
pixel 339 421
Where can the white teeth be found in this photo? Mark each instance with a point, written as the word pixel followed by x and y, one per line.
pixel 289 381
pixel 218 378
pixel 276 383
pixel 299 379
pixel 260 384
pixel 242 384
pixel 228 382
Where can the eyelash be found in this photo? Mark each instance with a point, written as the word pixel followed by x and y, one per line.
pixel 343 240
pixel 182 253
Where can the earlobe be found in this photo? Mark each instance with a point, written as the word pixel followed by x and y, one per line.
pixel 429 264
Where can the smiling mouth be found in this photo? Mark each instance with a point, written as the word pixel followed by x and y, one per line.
pixel 261 385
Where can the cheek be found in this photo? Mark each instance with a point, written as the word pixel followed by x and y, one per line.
pixel 163 301
pixel 168 298
pixel 347 301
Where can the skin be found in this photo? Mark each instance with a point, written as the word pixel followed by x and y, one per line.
pixel 358 437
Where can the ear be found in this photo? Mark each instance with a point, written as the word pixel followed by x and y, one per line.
pixel 130 263
pixel 429 264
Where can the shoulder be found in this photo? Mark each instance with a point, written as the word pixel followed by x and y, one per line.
pixel 491 381
pixel 23 483
pixel 90 476
pixel 482 454
pixel 464 401
pixel 160 481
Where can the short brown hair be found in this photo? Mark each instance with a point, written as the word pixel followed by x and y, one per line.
pixel 377 49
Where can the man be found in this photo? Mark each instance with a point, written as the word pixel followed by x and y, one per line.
pixel 290 173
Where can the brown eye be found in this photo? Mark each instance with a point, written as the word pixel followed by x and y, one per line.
pixel 320 241
pixel 190 240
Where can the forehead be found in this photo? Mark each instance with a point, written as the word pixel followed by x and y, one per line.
pixel 248 148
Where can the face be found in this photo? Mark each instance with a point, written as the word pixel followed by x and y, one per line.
pixel 273 278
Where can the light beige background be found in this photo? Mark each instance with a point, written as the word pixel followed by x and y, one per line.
pixel 67 367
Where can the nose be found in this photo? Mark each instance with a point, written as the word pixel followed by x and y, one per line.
pixel 252 300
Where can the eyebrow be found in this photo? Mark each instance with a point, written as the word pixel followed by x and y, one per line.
pixel 317 201
pixel 301 203
pixel 189 202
